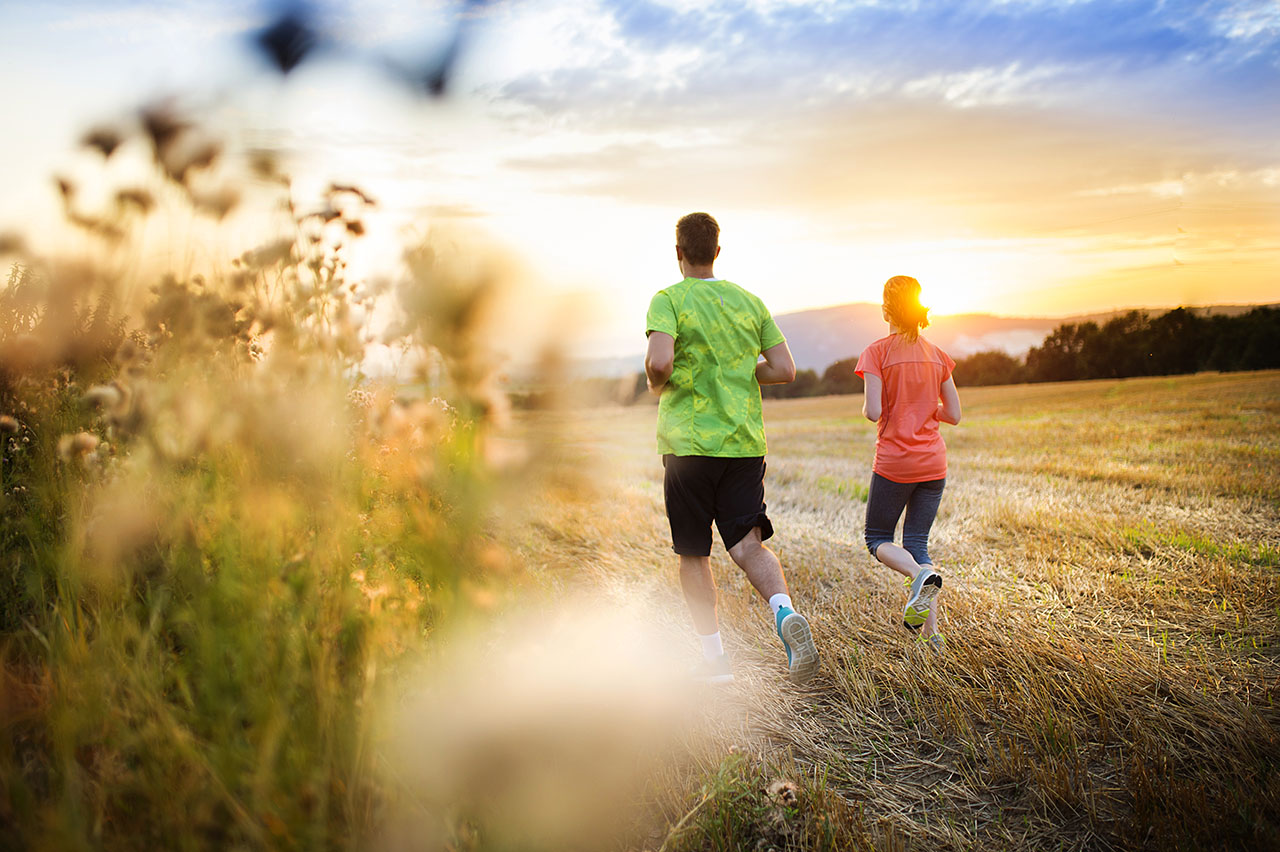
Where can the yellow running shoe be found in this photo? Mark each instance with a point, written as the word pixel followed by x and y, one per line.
pixel 921 592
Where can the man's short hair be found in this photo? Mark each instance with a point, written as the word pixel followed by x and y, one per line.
pixel 698 236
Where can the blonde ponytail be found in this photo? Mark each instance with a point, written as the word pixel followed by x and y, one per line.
pixel 902 304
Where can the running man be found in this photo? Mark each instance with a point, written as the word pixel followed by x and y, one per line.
pixel 706 338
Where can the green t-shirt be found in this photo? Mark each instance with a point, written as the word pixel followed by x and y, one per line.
pixel 711 405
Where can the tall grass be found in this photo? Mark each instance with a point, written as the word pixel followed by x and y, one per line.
pixel 220 540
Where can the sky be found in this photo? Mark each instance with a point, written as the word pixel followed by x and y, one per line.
pixel 1018 157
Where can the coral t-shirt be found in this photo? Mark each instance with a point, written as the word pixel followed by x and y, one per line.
pixel 909 447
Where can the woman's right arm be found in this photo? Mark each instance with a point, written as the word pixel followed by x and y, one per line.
pixel 949 408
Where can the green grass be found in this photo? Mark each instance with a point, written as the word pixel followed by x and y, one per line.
pixel 844 488
pixel 1147 540
pixel 745 803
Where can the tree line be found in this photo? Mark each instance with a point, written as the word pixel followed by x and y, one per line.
pixel 1131 344
pixel 1137 344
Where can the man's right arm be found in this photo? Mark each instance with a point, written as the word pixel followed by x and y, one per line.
pixel 778 367
pixel 659 360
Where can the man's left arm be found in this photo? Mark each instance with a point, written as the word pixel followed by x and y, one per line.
pixel 778 367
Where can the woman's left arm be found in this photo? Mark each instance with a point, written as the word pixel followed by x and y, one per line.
pixel 949 408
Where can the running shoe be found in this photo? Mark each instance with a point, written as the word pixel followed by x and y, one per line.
pixel 920 595
pixel 715 671
pixel 937 643
pixel 797 638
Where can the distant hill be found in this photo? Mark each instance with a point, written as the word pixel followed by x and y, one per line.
pixel 822 336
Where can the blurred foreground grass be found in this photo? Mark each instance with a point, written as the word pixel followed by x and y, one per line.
pixel 221 544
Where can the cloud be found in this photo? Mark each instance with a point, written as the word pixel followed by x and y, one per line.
pixel 1095 55
pixel 1157 189
pixel 984 86
pixel 1035 119
pixel 1015 342
pixel 894 148
pixel 146 24
pixel 1257 22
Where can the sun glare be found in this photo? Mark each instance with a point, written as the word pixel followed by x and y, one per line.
pixel 950 284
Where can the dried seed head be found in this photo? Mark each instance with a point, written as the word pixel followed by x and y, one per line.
pixel 128 352
pixel 8 425
pixel 11 243
pixel 264 164
pixel 105 139
pixel 342 188
pixel 98 227
pixel 217 203
pixel 103 396
pixel 783 792
pixel 280 251
pixel 77 445
pixel 138 198
pixel 163 126
pixel 179 158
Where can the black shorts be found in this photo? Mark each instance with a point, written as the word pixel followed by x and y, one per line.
pixel 702 489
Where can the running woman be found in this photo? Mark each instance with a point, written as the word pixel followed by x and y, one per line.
pixel 909 391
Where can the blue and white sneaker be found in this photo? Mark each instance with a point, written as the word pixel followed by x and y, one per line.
pixel 921 593
pixel 797 638
pixel 714 672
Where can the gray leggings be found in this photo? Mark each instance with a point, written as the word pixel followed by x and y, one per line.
pixel 885 503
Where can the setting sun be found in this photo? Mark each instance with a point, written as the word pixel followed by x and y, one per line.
pixel 952 284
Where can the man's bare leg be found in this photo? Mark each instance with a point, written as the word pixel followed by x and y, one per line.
pixel 764 572
pixel 700 593
pixel 760 564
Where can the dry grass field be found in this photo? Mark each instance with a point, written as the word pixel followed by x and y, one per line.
pixel 1112 606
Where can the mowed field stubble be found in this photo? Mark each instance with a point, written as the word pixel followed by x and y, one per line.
pixel 1111 553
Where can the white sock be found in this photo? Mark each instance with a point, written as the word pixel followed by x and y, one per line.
pixel 712 647
pixel 777 602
